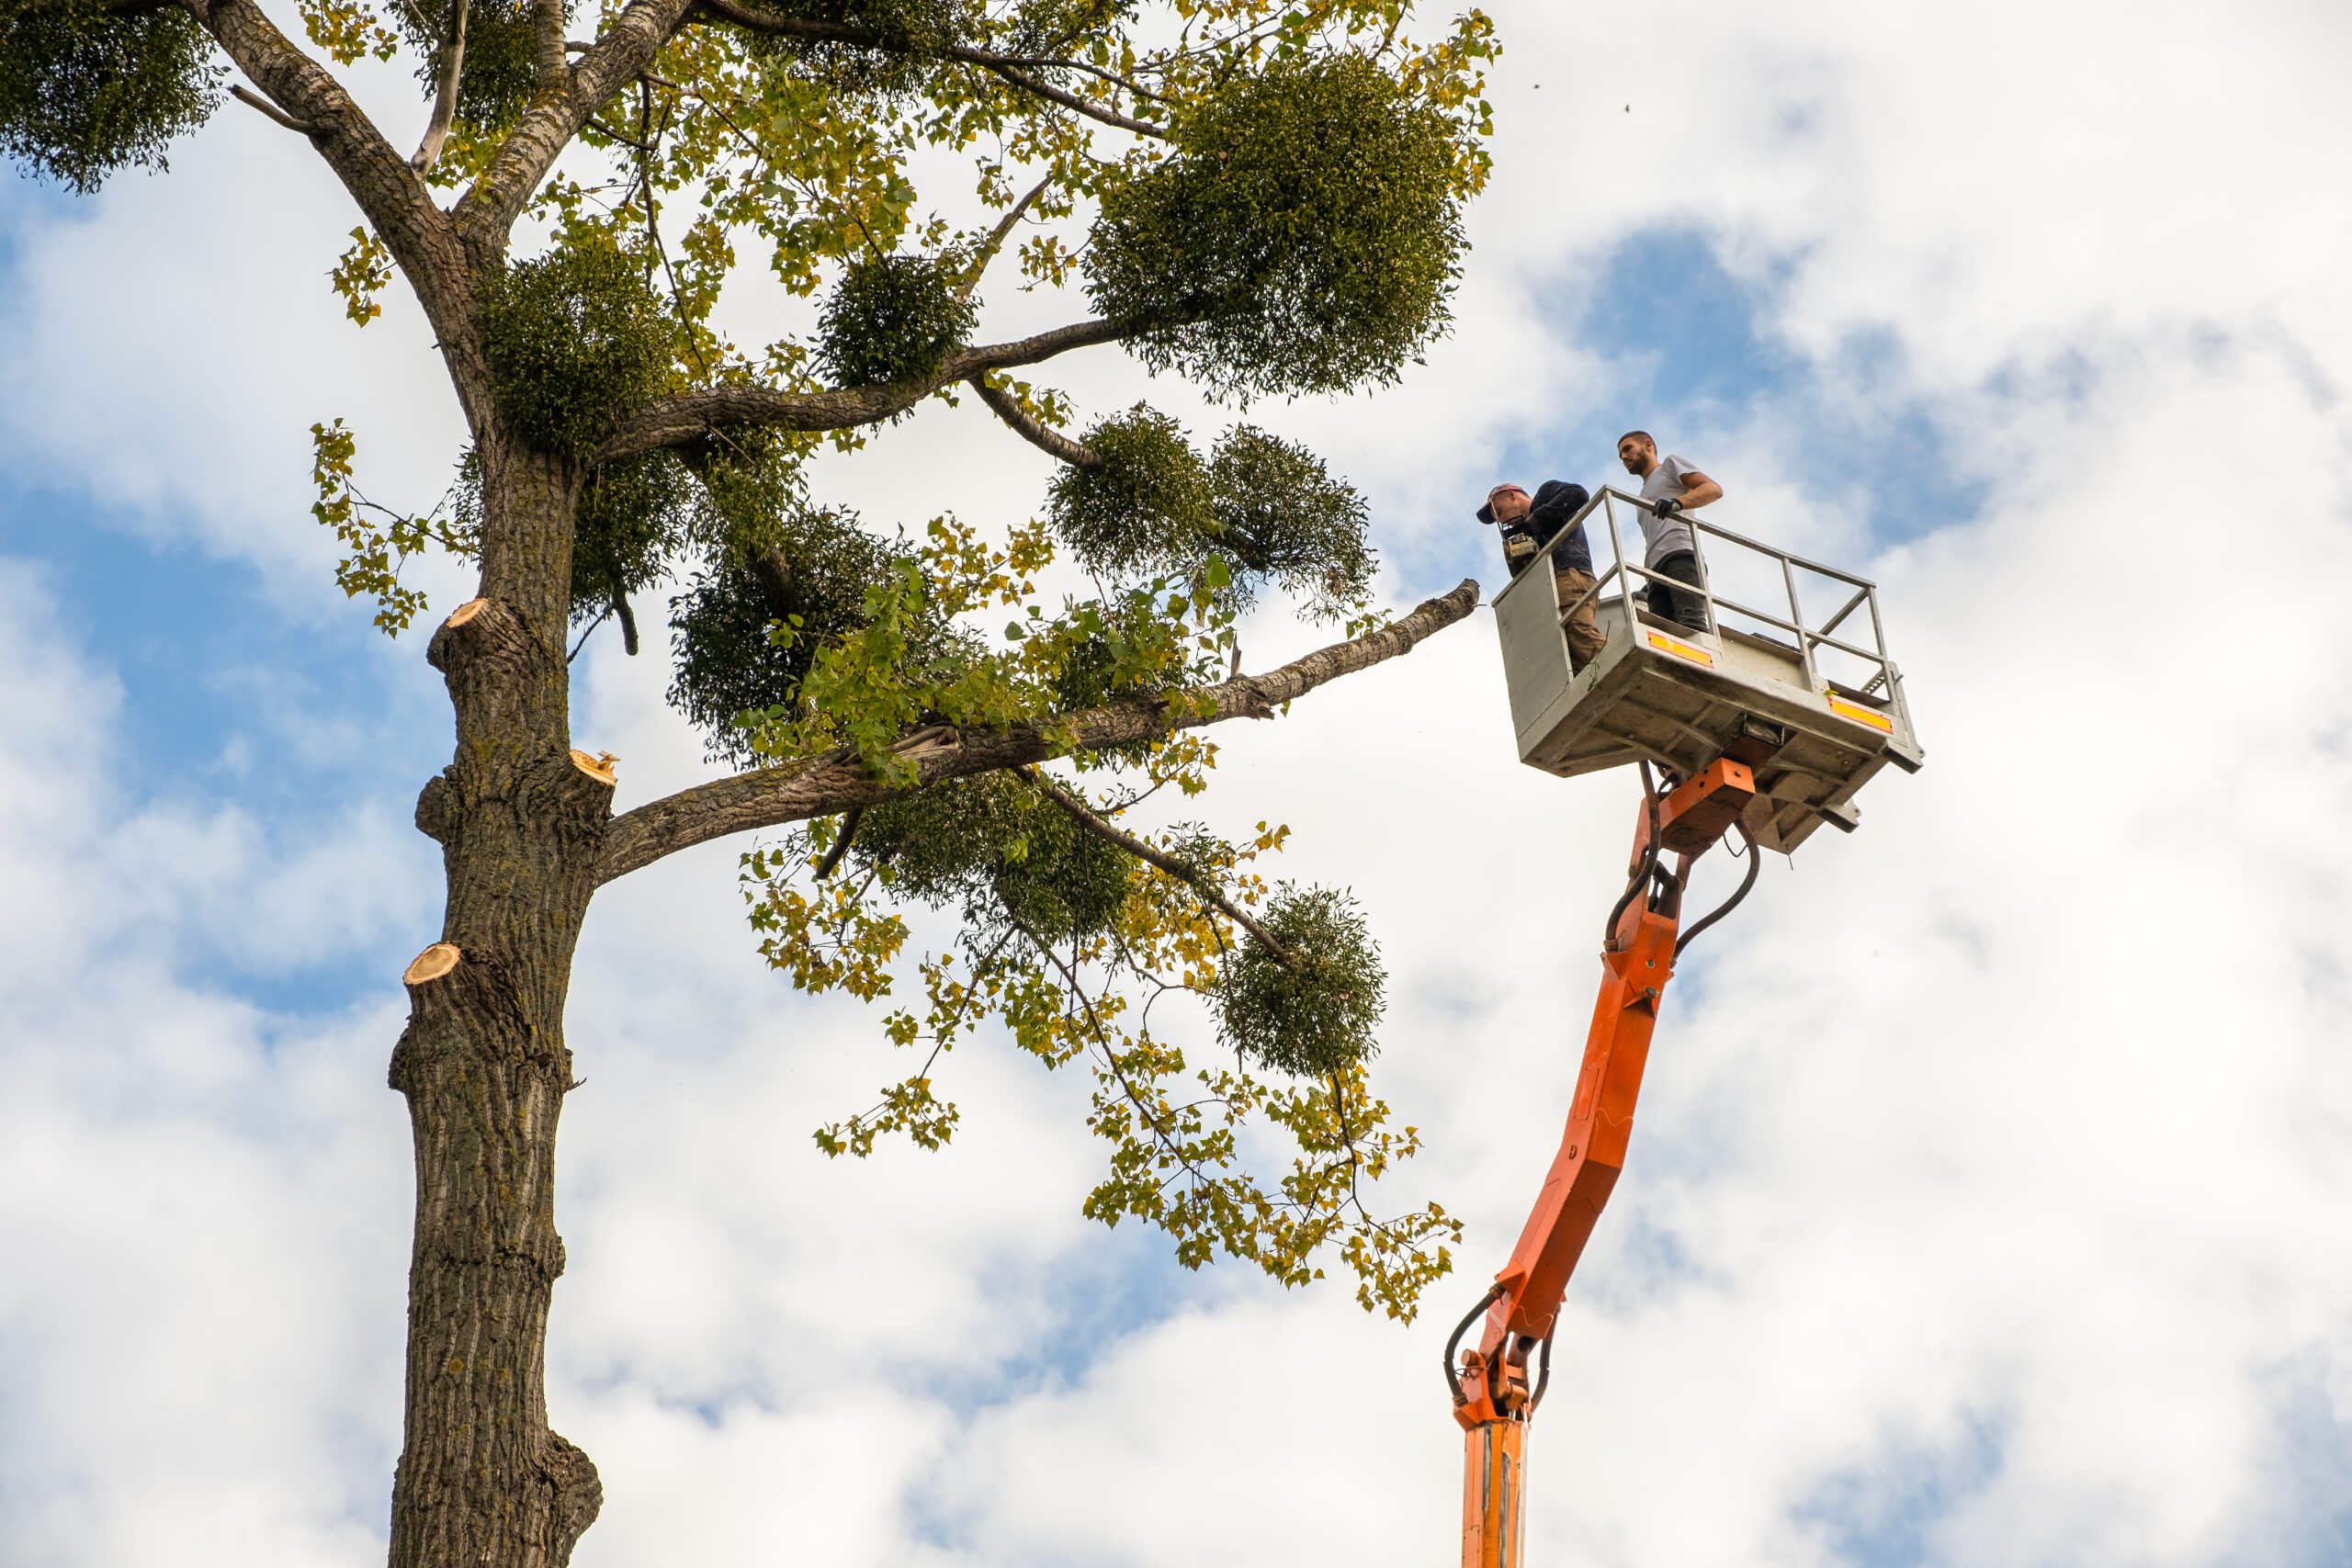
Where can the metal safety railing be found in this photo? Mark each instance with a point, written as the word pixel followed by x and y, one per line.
pixel 1876 676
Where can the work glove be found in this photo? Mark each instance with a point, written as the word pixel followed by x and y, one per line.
pixel 1666 506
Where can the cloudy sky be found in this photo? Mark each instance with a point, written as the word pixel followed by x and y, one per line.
pixel 1992 1194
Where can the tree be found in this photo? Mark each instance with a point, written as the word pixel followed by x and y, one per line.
pixel 1269 195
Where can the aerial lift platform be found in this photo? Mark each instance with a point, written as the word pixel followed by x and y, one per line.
pixel 1763 728
pixel 1816 708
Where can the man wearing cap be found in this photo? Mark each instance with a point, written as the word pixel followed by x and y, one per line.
pixel 1525 524
pixel 1671 485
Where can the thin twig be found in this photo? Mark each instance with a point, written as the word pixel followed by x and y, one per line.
pixel 997 237
pixel 1069 100
pixel 1085 818
pixel 245 95
pixel 1007 67
pixel 587 633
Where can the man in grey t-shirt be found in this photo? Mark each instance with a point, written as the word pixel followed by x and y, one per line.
pixel 1671 486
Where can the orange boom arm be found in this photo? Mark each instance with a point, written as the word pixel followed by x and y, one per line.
pixel 1492 1397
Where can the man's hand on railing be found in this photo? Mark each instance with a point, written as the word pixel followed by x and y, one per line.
pixel 1666 506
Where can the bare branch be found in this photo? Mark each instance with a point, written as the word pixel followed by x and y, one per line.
pixel 1035 431
pixel 1045 62
pixel 1014 69
pixel 690 416
pixel 245 94
pixel 445 98
pixel 832 784
pixel 1069 100
pixel 1102 828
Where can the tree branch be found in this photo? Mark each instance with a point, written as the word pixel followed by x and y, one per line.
pixel 1102 828
pixel 396 203
pixel 1069 100
pixel 445 98
pixel 245 94
pixel 833 858
pixel 546 24
pixel 488 211
pixel 690 416
pixel 1035 431
pixel 827 785
pixel 1011 68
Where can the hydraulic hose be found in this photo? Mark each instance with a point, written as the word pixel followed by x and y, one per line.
pixel 1453 1378
pixel 1645 870
pixel 1755 858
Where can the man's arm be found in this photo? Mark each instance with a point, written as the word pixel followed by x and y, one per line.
pixel 1699 490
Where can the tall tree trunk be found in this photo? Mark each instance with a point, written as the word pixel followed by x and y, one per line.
pixel 483 1064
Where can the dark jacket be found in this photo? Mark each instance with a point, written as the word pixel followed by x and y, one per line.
pixel 1555 501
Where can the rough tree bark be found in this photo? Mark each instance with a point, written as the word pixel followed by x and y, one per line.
pixel 483 1064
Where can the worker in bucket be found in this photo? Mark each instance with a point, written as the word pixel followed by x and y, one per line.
pixel 1671 487
pixel 1526 522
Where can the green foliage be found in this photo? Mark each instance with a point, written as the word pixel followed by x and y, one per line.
pixel 995 848
pixel 377 550
pixel 905 665
pixel 1266 508
pixel 360 275
pixel 894 318
pixel 1282 515
pixel 499 74
pixel 1147 508
pixel 633 516
pixel 347 30
pixel 575 340
pixel 822 566
pixel 1310 1010
pixel 85 92
pixel 1297 234
pixel 1303 240
pixel 1082 988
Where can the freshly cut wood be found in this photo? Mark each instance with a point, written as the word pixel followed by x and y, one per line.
pixel 467 612
pixel 432 964
pixel 598 767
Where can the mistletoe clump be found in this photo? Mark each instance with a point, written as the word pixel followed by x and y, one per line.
pixel 894 318
pixel 1302 240
pixel 1282 515
pixel 575 340
pixel 633 516
pixel 997 850
pixel 85 91
pixel 500 72
pixel 1309 1009
pixel 807 573
pixel 1145 508
pixel 1267 508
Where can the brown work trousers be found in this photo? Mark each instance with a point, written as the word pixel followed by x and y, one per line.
pixel 1585 641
